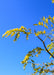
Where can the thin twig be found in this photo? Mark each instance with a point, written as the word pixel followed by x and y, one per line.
pixel 45 46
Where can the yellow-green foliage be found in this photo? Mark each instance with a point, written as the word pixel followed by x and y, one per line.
pixel 47 24
pixel 52 1
pixel 37 51
pixel 40 32
pixel 17 31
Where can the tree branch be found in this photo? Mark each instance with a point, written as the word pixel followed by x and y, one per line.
pixel 45 47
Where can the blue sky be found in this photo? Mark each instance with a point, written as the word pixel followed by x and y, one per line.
pixel 13 14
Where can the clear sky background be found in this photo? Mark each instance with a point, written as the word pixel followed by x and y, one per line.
pixel 13 14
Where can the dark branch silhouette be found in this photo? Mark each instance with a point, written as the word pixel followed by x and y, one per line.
pixel 45 47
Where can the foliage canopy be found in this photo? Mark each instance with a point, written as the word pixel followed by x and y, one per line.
pixel 47 24
pixel 48 29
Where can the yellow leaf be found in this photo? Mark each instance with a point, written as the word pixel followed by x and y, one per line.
pixel 53 18
pixel 51 25
pixel 26 58
pixel 43 19
pixel 19 29
pixel 46 21
pixel 24 66
pixel 44 32
pixel 12 34
pixel 16 29
pixel 22 62
pixel 39 52
pixel 49 17
pixel 45 26
pixel 5 33
pixel 8 34
pixel 35 24
pixel 52 1
pixel 18 35
pixel 27 36
pixel 36 34
pixel 39 23
pixel 14 40
pixel 39 32
pixel 22 27
pixel 28 33
pixel 49 49
pixel 42 23
pixel 48 46
pixel 50 56
pixel 43 72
